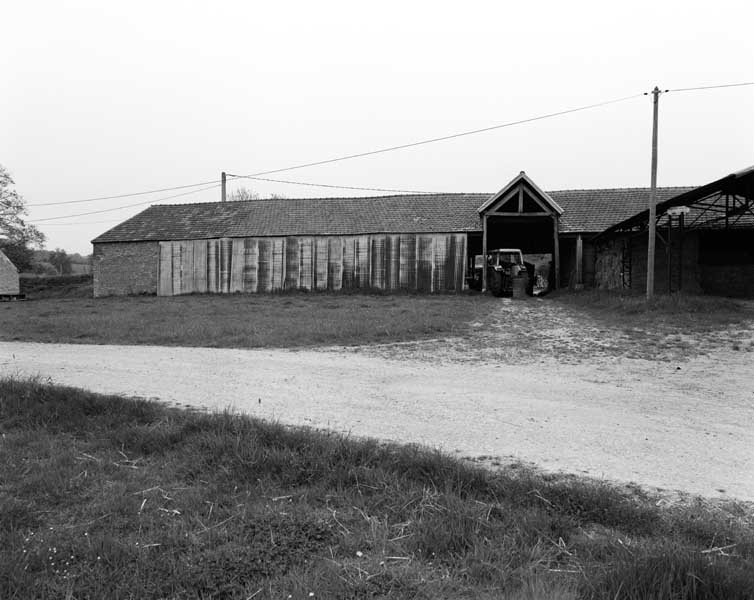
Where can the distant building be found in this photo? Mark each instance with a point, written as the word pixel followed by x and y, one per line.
pixel 424 243
pixel 8 277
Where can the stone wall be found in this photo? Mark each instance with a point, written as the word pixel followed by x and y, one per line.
pixel 684 272
pixel 8 276
pixel 124 268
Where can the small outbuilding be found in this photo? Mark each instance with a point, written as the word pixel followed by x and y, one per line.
pixel 9 282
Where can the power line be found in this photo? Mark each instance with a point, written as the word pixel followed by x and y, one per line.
pixel 324 185
pixel 170 189
pixel 96 212
pixel 711 87
pixel 445 137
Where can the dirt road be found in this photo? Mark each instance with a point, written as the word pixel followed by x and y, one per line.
pixel 680 426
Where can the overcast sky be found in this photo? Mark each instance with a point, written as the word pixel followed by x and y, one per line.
pixel 106 98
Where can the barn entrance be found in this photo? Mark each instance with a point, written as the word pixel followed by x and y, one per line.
pixel 521 216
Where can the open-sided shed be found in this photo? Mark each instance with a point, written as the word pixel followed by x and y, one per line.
pixel 705 242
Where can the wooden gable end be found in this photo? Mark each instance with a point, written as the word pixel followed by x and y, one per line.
pixel 521 197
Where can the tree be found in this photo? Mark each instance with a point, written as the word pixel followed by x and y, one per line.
pixel 16 235
pixel 61 261
pixel 241 193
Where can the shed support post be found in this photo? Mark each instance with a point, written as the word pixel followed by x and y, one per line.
pixel 484 253
pixel 556 251
pixel 579 261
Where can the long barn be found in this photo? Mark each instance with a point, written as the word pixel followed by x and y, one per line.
pixel 423 243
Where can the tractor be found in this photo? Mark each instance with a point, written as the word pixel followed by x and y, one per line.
pixel 503 266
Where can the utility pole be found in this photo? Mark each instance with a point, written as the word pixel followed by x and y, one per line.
pixel 652 202
pixel 223 198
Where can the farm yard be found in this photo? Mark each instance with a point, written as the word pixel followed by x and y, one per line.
pixel 597 421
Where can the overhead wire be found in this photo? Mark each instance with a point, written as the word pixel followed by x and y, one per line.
pixel 96 212
pixel 711 87
pixel 170 189
pixel 331 186
pixel 445 137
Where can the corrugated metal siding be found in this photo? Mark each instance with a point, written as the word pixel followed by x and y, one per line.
pixel 422 262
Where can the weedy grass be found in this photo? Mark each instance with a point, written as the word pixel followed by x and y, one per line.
pixel 106 497
pixel 295 319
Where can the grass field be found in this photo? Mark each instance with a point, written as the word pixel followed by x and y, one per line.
pixel 104 497
pixel 620 325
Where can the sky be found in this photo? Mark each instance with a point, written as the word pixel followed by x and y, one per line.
pixel 109 98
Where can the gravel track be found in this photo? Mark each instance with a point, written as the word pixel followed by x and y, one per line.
pixel 684 426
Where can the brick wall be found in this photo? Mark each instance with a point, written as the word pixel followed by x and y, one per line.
pixel 8 276
pixel 123 268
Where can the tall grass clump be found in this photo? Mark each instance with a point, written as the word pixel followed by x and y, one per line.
pixel 107 497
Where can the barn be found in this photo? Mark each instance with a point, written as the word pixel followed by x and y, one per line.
pixel 423 242
pixel 9 285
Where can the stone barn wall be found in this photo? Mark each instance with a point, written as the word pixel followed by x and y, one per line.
pixel 124 268
pixel 8 276
pixel 685 271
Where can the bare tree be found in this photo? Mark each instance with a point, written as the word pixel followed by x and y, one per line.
pixel 241 193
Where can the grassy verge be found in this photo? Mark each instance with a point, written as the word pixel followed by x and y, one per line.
pixel 103 497
pixel 281 320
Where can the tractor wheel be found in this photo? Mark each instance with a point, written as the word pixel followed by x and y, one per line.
pixel 495 282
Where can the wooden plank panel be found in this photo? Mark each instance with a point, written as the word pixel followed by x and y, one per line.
pixel 392 262
pixel 407 262
pixel 187 267
pixel 424 256
pixel 250 265
pixel 292 263
pixel 335 263
pixel 226 248
pixel 460 283
pixel 238 254
pixel 166 269
pixel 176 268
pixel 200 266
pixel 349 263
pixel 439 254
pixel 321 262
pixel 377 262
pixel 306 264
pixel 213 266
pixel 264 277
pixel 278 264
pixel 362 261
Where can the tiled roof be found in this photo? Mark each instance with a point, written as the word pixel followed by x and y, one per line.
pixel 592 211
pixel 584 211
